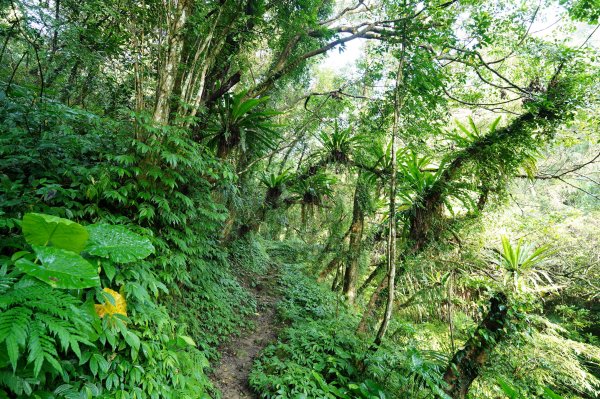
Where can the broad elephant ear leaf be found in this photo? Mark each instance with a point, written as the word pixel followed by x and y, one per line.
pixel 117 243
pixel 47 230
pixel 60 268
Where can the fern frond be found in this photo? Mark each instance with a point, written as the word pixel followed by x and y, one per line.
pixel 15 383
pixel 41 348
pixel 13 331
pixel 5 283
pixel 70 333
pixel 67 391
pixel 26 295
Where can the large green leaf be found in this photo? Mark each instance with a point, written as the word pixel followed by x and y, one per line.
pixel 117 243
pixel 46 230
pixel 60 268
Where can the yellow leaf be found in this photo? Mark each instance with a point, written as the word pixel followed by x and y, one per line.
pixel 120 306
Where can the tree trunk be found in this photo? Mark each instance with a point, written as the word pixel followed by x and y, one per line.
pixel 356 235
pixel 371 307
pixel 466 364
pixel 331 266
pixel 375 273
pixel 176 15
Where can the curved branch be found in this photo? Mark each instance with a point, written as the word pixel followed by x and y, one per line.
pixel 478 104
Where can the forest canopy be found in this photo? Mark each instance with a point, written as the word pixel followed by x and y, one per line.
pixel 299 199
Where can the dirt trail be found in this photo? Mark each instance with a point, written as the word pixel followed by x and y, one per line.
pixel 231 375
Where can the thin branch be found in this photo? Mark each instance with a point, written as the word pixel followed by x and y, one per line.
pixel 485 64
pixel 589 37
pixel 521 40
pixel 279 72
pixel 12 75
pixel 343 12
pixel 563 173
pixel 549 26
pixel 478 104
pixel 587 178
pixel 498 74
pixel 579 188
pixel 333 94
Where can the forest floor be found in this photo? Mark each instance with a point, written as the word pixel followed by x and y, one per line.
pixel 231 374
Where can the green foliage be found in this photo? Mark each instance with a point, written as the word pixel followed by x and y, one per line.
pixel 276 181
pixel 410 372
pixel 466 136
pixel 60 268
pixel 319 355
pixel 415 181
pixel 548 362
pixel 61 265
pixel 338 145
pixel 55 340
pixel 512 393
pixel 248 256
pixel 151 185
pixel 111 114
pixel 276 186
pixel 57 243
pixel 242 122
pixel 313 189
pixel 520 264
pixel 80 166
pixel 46 230
pixel 212 305
pixel 117 243
pixel 583 10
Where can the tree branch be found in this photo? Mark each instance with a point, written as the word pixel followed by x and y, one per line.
pixel 266 84
pixel 558 176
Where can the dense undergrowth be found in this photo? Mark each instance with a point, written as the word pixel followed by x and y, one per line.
pixel 186 298
pixel 74 164
pixel 318 354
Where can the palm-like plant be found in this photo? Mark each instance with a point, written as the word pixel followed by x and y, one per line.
pixel 520 266
pixel 465 137
pixel 418 179
pixel 414 175
pixel 273 180
pixel 242 122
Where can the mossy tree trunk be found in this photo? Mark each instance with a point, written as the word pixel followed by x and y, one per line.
pixel 466 364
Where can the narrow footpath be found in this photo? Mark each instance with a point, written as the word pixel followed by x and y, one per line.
pixel 231 375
